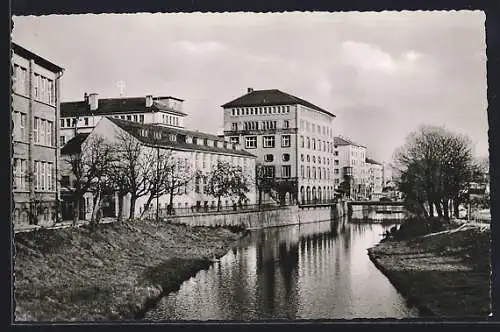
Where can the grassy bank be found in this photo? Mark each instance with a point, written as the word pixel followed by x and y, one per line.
pixel 443 274
pixel 110 273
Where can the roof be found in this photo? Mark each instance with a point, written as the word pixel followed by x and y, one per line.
pixel 21 51
pixel 344 141
pixel 371 161
pixel 134 128
pixel 109 106
pixel 74 145
pixel 271 97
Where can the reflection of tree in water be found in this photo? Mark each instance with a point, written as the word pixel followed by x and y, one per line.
pixel 288 260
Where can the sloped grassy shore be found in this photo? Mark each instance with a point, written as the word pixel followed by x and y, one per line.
pixel 111 273
pixel 446 274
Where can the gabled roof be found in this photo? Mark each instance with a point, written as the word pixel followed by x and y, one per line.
pixel 134 129
pixel 109 106
pixel 271 97
pixel 371 161
pixel 74 145
pixel 344 141
pixel 27 54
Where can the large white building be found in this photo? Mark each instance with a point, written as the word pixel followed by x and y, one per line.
pixel 80 117
pixel 375 178
pixel 200 150
pixel 350 160
pixel 292 139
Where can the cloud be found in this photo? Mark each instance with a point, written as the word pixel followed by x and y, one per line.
pixel 366 57
pixel 204 48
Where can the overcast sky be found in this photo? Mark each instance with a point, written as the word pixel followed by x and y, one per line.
pixel 381 74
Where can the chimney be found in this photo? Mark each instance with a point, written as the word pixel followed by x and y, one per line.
pixel 249 90
pixel 86 97
pixel 149 100
pixel 93 99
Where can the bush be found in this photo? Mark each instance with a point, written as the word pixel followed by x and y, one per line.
pixel 417 226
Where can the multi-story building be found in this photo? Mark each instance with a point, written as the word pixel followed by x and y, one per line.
pixel 350 164
pixel 35 114
pixel 292 139
pixel 201 151
pixel 82 116
pixel 374 178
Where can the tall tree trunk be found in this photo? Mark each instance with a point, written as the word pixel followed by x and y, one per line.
pixel 438 209
pixel 148 205
pixel 218 204
pixel 76 209
pixel 171 198
pixel 133 199
pixel 260 198
pixel 96 202
pixel 431 209
pixel 120 206
pixel 456 205
pixel 446 209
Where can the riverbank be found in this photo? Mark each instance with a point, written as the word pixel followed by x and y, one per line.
pixel 443 274
pixel 111 273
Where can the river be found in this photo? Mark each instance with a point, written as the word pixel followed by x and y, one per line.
pixel 312 271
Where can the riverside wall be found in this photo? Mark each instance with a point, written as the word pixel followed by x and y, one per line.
pixel 252 220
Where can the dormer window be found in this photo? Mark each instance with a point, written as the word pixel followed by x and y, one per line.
pixel 173 137
pixel 144 132
pixel 157 134
pixel 205 142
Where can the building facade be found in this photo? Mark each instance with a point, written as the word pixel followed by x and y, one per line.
pixel 350 165
pixel 35 114
pixel 82 116
pixel 201 151
pixel 292 139
pixel 375 181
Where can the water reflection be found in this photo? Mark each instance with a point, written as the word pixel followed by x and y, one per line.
pixel 311 271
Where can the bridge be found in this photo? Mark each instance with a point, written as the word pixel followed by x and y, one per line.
pixel 375 203
pixel 376 210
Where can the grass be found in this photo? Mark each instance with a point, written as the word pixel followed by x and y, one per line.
pixel 110 273
pixel 444 275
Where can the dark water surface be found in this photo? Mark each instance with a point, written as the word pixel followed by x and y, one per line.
pixel 312 271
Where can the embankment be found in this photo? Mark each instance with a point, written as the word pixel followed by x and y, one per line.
pixel 111 273
pixel 446 274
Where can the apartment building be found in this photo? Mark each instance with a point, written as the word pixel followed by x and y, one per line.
pixel 35 159
pixel 291 137
pixel 200 150
pixel 350 163
pixel 82 116
pixel 375 181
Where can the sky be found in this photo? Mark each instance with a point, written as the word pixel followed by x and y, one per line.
pixel 382 74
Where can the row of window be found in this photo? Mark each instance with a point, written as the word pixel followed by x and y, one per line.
pixel 307 142
pixel 169 119
pixel 322 173
pixel 256 125
pixel 44 88
pixel 269 171
pixel 43 179
pixel 43 130
pixel 260 110
pixel 203 160
pixel 268 141
pixel 270 158
pixel 316 128
pixel 325 160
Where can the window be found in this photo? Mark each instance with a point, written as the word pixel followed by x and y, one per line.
pixel 267 125
pixel 197 184
pixel 286 157
pixel 251 142
pixel 129 117
pixel 234 126
pixel 36 138
pixel 268 157
pixel 288 109
pixel 235 140
pixel 48 135
pixel 319 160
pixel 286 124
pixel 308 172
pixel 37 86
pixel 301 141
pixel 62 140
pixel 337 181
pixel 62 123
pixel 336 153
pixel 20 172
pixel 157 135
pixel 65 181
pixel 141 118
pixel 43 176
pixel 336 162
pixel 20 126
pixel 68 122
pixel 42 130
pixel 314 172
pixel 269 171
pixel 285 141
pixel 286 171
pixel 308 158
pixel 314 159
pixel 233 112
pixel 144 132
pixel 75 120
pixel 268 141
pixel 301 124
pixel 301 157
pixel 302 174
pixel 314 144
pixel 135 117
pixel 308 143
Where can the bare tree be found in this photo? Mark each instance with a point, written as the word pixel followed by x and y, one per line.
pixel 136 163
pixel 88 166
pixel 436 165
